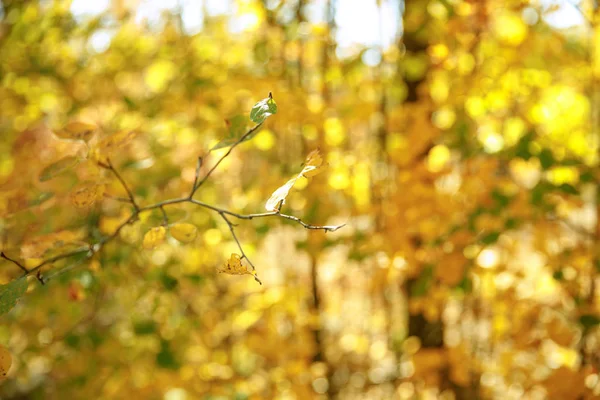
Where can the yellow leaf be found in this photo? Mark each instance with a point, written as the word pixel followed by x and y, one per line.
pixel 85 195
pixel 154 237
pixel 5 362
pixel 184 232
pixel 77 130
pixel 312 166
pixel 234 266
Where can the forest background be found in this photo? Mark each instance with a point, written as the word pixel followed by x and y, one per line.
pixel 436 235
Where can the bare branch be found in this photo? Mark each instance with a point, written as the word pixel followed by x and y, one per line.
pixel 109 166
pixel 224 156
pixel 197 175
pixel 164 214
pixel 92 249
pixel 18 264
pixel 116 198
pixel 232 230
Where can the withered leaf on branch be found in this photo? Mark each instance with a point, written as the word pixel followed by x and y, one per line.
pixel 313 165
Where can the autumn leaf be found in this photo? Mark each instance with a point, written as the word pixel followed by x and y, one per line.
pixel 278 197
pixel 263 109
pixel 312 166
pixel 5 362
pixel 58 167
pixel 183 232
pixel 85 195
pixel 11 293
pixel 234 266
pixel 154 237
pixel 77 130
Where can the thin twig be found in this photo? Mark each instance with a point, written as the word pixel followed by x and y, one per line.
pixel 164 214
pixel 223 212
pixel 92 249
pixel 232 230
pixel 197 175
pixel 116 198
pixel 110 166
pixel 38 276
pixel 18 264
pixel 240 140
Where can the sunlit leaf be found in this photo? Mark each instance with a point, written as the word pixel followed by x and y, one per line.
pixel 278 197
pixel 58 167
pixel 234 266
pixel 183 232
pixel 263 109
pixel 86 194
pixel 10 294
pixel 154 237
pixel 312 166
pixel 77 130
pixel 5 362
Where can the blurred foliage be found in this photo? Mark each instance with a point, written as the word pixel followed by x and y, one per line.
pixel 462 157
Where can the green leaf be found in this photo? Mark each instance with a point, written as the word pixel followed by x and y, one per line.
pixel 166 358
pixel 569 189
pixel 465 285
pixel 589 320
pixel 263 109
pixel 169 283
pixel 558 275
pixel 546 158
pixel 145 327
pixel 420 287
pixel 58 167
pixel 587 176
pixel 490 238
pixel 10 294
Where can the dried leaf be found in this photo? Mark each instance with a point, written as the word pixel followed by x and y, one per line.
pixel 263 109
pixel 5 362
pixel 58 167
pixel 234 266
pixel 183 232
pixel 154 237
pixel 11 293
pixel 77 130
pixel 86 194
pixel 313 164
pixel 278 197
pixel 312 167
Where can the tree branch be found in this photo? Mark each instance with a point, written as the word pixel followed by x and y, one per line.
pixel 110 167
pixel 232 230
pixel 18 264
pixel 197 185
pixel 223 213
